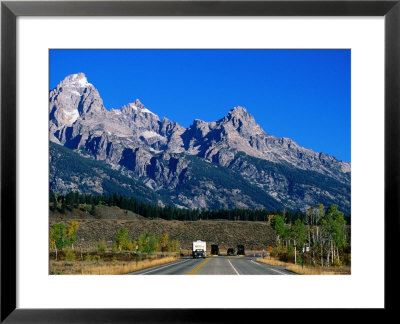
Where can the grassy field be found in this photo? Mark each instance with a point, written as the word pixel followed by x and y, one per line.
pixel 104 268
pixel 307 270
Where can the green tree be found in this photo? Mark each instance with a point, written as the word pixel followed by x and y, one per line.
pixel 53 201
pixel 333 226
pixel 62 236
pixel 122 239
pixel 173 246
pixel 63 205
pixel 58 235
pixel 71 233
pixel 148 242
pixel 164 242
pixel 279 226
pixel 313 217
pixel 69 200
pixel 298 235
pixel 52 241
pixel 86 208
pixel 93 209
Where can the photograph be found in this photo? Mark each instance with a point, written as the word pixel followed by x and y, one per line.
pixel 199 161
pixel 189 151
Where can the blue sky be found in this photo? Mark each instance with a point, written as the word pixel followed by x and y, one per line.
pixel 301 94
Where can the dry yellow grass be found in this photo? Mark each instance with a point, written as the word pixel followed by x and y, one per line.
pixel 104 268
pixel 273 262
pixel 307 270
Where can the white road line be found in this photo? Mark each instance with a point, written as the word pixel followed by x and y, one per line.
pixel 269 268
pixel 169 265
pixel 233 268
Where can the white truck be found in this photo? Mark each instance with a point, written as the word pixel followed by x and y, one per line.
pixel 199 249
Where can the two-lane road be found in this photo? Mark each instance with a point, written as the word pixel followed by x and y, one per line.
pixel 215 265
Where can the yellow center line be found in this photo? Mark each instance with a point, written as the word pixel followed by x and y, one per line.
pixel 192 272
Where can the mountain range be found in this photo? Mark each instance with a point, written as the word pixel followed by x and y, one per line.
pixel 228 163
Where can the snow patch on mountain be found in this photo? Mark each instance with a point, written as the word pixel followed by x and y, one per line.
pixel 72 116
pixel 150 134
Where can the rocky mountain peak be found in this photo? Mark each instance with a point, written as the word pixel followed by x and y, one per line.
pixel 238 111
pixel 138 104
pixel 136 107
pixel 199 128
pixel 244 123
pixel 72 98
pixel 199 122
pixel 78 80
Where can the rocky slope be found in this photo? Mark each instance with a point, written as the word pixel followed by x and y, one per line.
pixel 185 165
pixel 109 220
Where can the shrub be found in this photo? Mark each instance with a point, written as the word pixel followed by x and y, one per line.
pixel 130 246
pixel 97 258
pixel 114 248
pixel 337 263
pixel 173 246
pixel 88 257
pixel 347 258
pixel 274 253
pixel 281 249
pixel 69 255
pixel 101 246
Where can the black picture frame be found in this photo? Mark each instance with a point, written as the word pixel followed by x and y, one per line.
pixel 10 10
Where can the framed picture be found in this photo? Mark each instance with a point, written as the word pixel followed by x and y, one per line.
pixel 35 34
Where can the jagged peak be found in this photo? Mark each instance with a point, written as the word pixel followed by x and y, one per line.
pixel 197 121
pixel 238 111
pixel 77 80
pixel 166 121
pixel 138 104
pixel 137 107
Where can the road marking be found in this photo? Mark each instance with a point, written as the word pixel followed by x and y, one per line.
pixel 163 267
pixel 269 268
pixel 198 267
pixel 233 267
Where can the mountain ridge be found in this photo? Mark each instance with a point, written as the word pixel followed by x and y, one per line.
pixel 133 139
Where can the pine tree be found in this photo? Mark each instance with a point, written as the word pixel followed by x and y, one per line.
pixel 63 206
pixel 93 209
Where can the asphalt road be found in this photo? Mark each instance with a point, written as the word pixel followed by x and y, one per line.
pixel 215 265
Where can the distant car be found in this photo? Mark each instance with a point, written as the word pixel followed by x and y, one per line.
pixel 199 254
pixel 214 249
pixel 240 250
pixel 231 251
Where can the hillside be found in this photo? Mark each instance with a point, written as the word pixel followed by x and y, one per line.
pixel 70 171
pixel 108 220
pixel 244 183
pixel 206 184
